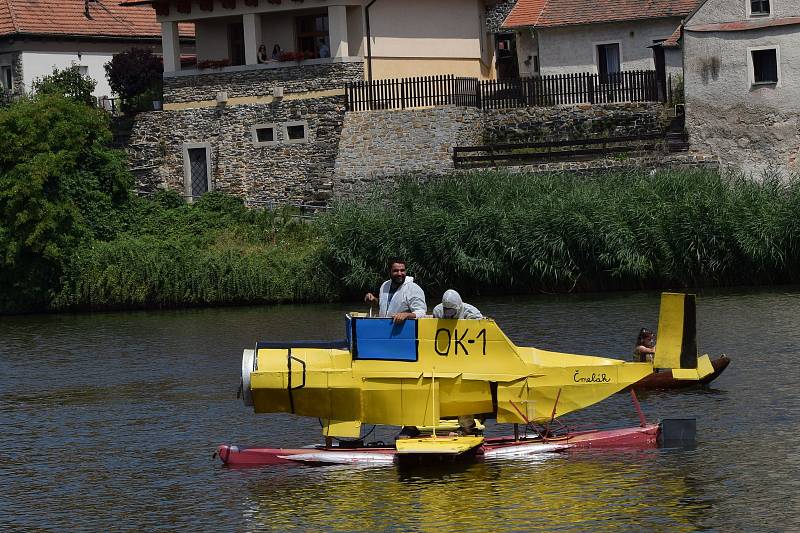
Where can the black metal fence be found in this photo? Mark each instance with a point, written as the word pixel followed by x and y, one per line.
pixel 578 88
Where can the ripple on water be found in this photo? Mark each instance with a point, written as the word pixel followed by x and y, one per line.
pixel 108 421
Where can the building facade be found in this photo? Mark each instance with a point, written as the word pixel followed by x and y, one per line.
pixel 603 37
pixel 742 82
pixel 37 36
pixel 261 113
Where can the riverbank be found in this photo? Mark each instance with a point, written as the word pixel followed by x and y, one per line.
pixel 483 233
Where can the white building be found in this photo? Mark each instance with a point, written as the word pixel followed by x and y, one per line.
pixel 37 36
pixel 572 36
pixel 742 82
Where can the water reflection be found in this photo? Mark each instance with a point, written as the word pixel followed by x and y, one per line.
pixel 108 421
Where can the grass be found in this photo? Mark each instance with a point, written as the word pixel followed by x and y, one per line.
pixel 483 232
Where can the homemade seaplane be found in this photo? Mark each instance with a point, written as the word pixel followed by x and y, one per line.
pixel 423 371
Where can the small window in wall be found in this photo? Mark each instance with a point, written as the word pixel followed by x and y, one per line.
pixel 608 60
pixel 765 66
pixel 759 8
pixel 197 170
pixel 264 134
pixel 6 77
pixel 83 69
pixel 296 132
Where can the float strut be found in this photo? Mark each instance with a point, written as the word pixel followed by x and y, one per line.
pixel 516 432
pixel 642 419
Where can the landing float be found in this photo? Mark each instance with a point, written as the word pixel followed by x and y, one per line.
pixel 422 371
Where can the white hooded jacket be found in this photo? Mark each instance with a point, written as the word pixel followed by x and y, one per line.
pixel 408 298
pixel 452 300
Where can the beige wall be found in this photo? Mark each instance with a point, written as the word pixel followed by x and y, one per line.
pixel 422 66
pixel 409 38
pixel 212 38
pixel 426 28
pixel 279 28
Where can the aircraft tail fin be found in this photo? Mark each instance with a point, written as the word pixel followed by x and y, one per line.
pixel 676 341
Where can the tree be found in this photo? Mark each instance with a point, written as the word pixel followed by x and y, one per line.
pixel 60 185
pixel 133 73
pixel 69 83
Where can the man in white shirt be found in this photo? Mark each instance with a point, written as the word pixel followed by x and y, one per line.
pixel 399 297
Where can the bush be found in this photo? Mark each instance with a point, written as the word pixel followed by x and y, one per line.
pixel 69 83
pixel 135 73
pixel 60 185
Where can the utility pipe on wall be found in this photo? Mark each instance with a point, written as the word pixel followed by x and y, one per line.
pixel 369 42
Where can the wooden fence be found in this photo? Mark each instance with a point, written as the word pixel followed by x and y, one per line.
pixel 578 88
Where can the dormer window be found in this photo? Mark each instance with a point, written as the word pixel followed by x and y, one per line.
pixel 759 8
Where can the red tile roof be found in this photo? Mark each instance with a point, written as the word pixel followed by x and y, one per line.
pixel 746 24
pixel 67 18
pixel 554 13
pixel 673 41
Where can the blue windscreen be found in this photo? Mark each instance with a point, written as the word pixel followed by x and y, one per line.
pixel 381 339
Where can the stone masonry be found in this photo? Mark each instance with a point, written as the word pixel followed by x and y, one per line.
pixel 293 78
pixel 532 124
pixel 496 14
pixel 378 146
pixel 282 172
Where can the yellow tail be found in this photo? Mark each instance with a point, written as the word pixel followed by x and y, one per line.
pixel 676 341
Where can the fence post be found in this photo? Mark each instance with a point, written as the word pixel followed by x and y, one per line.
pixel 478 95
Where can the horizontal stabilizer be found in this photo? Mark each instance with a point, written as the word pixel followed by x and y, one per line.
pixel 704 368
pixel 437 445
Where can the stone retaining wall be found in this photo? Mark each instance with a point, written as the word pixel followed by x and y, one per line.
pixel 293 78
pixel 532 124
pixel 282 172
pixel 377 146
pixel 348 153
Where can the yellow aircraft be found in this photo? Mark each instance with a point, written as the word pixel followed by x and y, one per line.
pixel 418 372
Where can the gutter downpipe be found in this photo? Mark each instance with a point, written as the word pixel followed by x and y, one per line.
pixel 369 51
pixel 369 41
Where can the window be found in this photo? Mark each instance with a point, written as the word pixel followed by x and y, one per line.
pixel 6 77
pixel 83 69
pixel 196 170
pixel 312 36
pixel 264 134
pixel 765 65
pixel 608 60
pixel 295 132
pixel 759 8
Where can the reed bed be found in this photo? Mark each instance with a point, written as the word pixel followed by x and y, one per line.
pixel 213 252
pixel 496 232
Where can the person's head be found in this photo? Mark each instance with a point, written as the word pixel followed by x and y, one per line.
pixel 646 337
pixel 451 304
pixel 276 49
pixel 397 270
pixel 262 48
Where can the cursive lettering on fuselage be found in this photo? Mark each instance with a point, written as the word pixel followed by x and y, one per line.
pixel 594 378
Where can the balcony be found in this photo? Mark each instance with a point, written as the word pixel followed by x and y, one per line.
pixel 250 50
